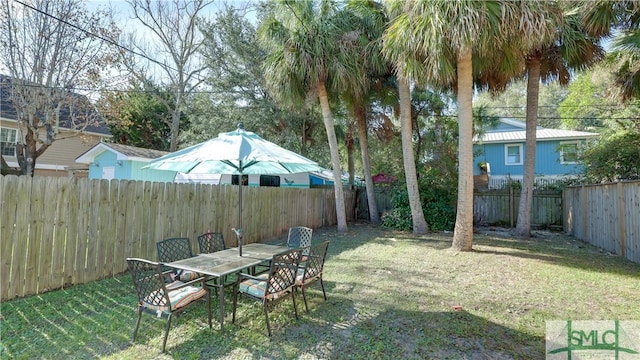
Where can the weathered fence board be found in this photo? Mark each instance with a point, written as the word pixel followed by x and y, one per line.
pixel 501 206
pixel 606 215
pixel 57 232
pixel 49 244
pixel 8 232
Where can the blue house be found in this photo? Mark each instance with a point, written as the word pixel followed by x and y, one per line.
pixel 500 153
pixel 123 162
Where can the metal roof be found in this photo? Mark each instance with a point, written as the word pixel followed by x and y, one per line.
pixel 541 135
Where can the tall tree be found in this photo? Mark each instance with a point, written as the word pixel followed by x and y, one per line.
pixel 601 18
pixel 512 102
pixel 398 49
pixel 372 20
pixel 440 38
pixel 592 104
pixel 627 51
pixel 137 118
pixel 420 225
pixel 567 49
pixel 49 48
pixel 237 92
pixel 173 50
pixel 309 51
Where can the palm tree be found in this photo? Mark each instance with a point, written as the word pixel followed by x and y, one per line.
pixel 627 47
pixel 435 41
pixel 309 46
pixel 600 17
pixel 420 225
pixel 371 24
pixel 571 48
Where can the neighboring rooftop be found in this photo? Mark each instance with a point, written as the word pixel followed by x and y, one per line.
pixel 123 152
pixel 509 131
pixel 8 111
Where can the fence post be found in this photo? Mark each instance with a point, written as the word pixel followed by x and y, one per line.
pixel 621 219
pixel 510 205
pixel 585 223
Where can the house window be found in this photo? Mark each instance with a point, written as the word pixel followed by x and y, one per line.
pixel 8 141
pixel 269 180
pixel 245 180
pixel 569 152
pixel 513 154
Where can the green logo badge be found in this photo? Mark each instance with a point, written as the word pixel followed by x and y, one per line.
pixel 593 339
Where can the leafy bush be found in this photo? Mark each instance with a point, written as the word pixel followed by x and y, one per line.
pixel 615 158
pixel 438 205
pixel 398 218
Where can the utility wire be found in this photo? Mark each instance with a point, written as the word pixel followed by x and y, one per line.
pixel 105 39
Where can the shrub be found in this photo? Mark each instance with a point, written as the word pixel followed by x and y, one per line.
pixel 437 200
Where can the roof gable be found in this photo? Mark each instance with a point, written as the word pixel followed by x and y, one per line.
pixel 123 152
pixel 507 124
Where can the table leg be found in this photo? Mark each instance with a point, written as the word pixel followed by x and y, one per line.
pixel 221 297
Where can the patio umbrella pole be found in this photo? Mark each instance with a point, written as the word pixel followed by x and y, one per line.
pixel 239 231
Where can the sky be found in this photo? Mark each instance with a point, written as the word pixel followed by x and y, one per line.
pixel 123 13
pixel 124 19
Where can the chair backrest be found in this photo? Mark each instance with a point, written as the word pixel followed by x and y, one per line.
pixel 211 242
pixel 299 237
pixel 149 282
pixel 282 274
pixel 315 261
pixel 174 249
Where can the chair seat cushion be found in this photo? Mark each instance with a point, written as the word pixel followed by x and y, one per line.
pixel 178 298
pixel 300 276
pixel 257 288
pixel 186 275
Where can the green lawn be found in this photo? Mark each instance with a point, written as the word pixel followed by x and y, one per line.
pixel 391 295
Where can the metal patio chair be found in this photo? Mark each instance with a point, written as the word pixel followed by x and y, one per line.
pixel 300 237
pixel 211 242
pixel 272 287
pixel 312 270
pixel 161 298
pixel 174 249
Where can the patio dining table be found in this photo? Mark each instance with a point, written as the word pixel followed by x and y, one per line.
pixel 226 262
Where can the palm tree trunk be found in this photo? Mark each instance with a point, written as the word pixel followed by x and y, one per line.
pixel 350 144
pixel 360 116
pixel 419 223
pixel 463 231
pixel 335 157
pixel 523 226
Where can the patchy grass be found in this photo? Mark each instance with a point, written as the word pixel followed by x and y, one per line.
pixel 391 295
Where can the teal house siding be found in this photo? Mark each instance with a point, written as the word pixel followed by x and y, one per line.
pixel 509 134
pixel 122 162
pixel 547 160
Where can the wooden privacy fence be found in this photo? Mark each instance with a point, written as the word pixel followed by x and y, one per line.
pixel 382 195
pixel 607 216
pixel 56 231
pixel 501 206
